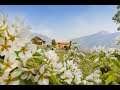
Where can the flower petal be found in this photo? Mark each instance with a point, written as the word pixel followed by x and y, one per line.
pixel 16 82
pixel 12 56
pixel 28 54
pixel 15 64
pixel 42 69
pixel 36 78
pixel 40 82
pixel 45 81
pixel 24 76
pixel 16 74
pixel 30 75
pixel 21 55
pixel 6 74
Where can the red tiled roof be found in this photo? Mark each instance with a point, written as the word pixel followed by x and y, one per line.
pixel 63 43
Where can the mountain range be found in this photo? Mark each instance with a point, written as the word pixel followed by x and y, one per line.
pixel 102 38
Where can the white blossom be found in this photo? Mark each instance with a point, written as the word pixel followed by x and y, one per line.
pixel 36 78
pixel 98 49
pixel 77 80
pixel 24 76
pixel 10 64
pixel 52 56
pixel 43 81
pixel 93 77
pixel 42 69
pixel 67 76
pixel 98 81
pixel 117 40
pixel 39 50
pixel 96 60
pixel 27 52
pixel 8 79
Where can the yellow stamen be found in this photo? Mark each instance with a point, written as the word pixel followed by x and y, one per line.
pixel 7 64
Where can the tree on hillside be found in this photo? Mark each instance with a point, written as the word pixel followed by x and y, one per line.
pixel 53 42
pixel 70 45
pixel 116 17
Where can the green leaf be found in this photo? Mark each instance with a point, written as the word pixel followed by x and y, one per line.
pixel 114 68
pixel 116 63
pixel 54 80
pixel 15 70
pixel 36 54
pixel 103 82
pixel 1 36
pixel 107 74
pixel 92 57
pixel 17 52
pixel 30 63
pixel 38 59
pixel 18 59
pixel 1 60
pixel 29 82
pixel 102 64
pixel 4 21
pixel 110 79
pixel 102 55
pixel 118 57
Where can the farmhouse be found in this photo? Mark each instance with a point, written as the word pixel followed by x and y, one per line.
pixel 62 44
pixel 37 40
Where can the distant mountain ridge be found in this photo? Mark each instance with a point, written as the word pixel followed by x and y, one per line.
pixel 102 38
pixel 47 39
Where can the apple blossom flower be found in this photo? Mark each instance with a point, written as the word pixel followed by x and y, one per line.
pixel 9 78
pixel 77 80
pixel 67 76
pixel 5 47
pixel 27 52
pixel 41 78
pixel 117 40
pixel 98 81
pixel 98 49
pixel 52 56
pixel 87 82
pixel 10 64
pixel 93 77
pixel 43 81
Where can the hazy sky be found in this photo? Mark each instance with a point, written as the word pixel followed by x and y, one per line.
pixel 64 22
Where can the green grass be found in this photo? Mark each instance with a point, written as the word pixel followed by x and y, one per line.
pixel 61 53
pixel 87 67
